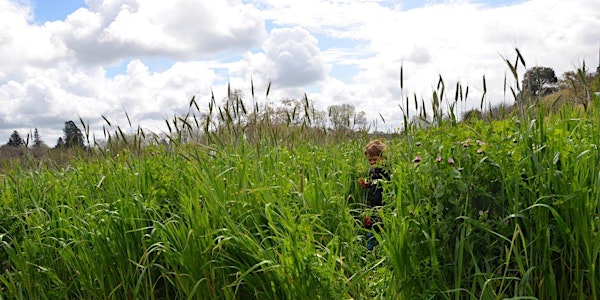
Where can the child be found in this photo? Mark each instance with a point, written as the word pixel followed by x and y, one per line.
pixel 377 173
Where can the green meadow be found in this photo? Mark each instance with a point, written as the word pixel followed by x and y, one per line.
pixel 477 209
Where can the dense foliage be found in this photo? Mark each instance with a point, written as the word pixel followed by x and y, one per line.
pixel 475 210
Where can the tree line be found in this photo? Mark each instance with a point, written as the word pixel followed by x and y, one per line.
pixel 73 138
pixel 287 112
pixel 572 88
pixel 542 81
pixel 537 82
pixel 17 145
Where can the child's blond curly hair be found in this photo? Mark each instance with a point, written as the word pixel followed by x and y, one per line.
pixel 375 148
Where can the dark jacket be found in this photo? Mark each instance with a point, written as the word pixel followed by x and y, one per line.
pixel 375 190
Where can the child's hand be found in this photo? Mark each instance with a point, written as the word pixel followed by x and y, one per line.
pixel 363 183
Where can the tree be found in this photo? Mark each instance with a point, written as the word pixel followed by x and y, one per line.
pixel 73 136
pixel 360 120
pixel 60 143
pixel 539 81
pixel 340 116
pixel 37 140
pixel 287 112
pixel 318 118
pixel 345 117
pixel 15 140
pixel 580 85
pixel 39 148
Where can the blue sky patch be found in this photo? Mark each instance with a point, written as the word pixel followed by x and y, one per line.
pixel 53 10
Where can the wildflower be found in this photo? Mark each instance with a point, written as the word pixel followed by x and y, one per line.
pixel 451 160
pixel 479 151
pixel 438 159
pixel 480 143
pixel 411 213
pixel 417 159
pixel 418 144
pixel 465 145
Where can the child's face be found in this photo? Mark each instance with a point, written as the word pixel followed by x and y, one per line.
pixel 374 159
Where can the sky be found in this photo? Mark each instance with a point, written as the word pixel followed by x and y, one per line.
pixel 142 61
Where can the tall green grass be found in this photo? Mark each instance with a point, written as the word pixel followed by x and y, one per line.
pixel 213 223
pixel 513 214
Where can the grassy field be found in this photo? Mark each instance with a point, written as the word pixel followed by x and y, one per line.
pixel 475 210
